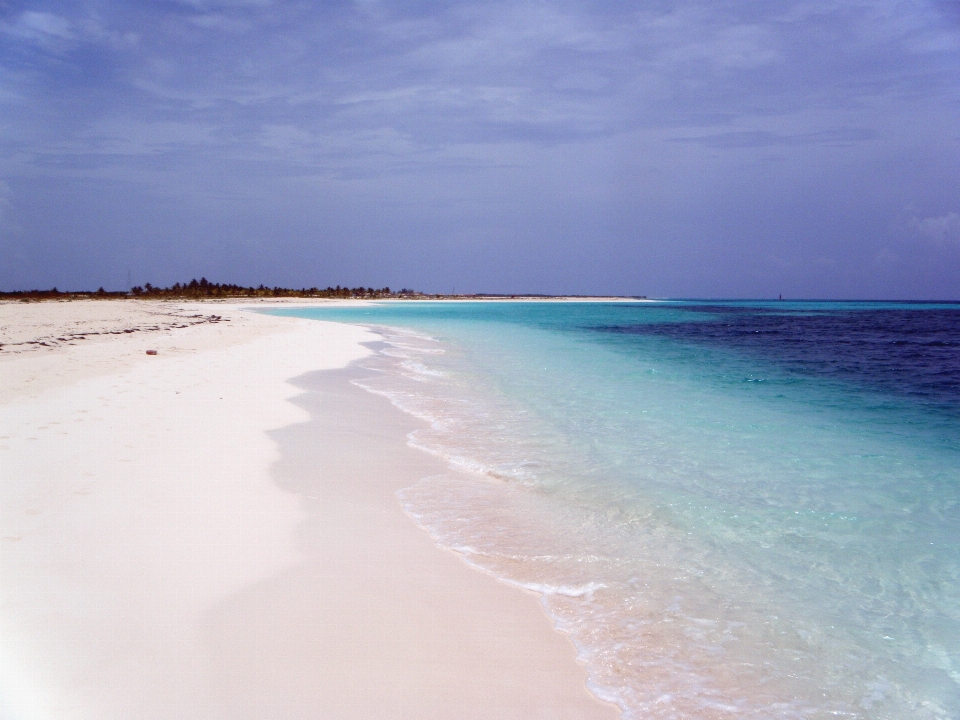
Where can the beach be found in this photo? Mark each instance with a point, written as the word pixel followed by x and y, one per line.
pixel 214 531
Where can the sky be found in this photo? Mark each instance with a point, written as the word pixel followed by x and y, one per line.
pixel 707 148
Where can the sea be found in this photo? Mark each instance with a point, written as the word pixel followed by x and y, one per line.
pixel 741 509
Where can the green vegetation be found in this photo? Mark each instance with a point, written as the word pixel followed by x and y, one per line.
pixel 54 294
pixel 204 289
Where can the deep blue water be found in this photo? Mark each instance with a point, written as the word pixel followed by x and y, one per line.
pixel 736 509
pixel 906 350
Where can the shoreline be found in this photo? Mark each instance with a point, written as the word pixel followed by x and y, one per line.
pixel 156 531
pixel 438 637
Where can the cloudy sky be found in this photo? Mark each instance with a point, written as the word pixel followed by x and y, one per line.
pixel 694 148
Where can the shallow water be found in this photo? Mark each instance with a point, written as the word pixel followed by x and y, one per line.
pixel 737 510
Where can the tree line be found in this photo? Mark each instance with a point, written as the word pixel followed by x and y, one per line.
pixel 203 288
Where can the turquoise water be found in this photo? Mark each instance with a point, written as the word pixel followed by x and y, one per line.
pixel 736 510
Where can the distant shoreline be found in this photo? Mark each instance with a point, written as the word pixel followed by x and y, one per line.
pixel 58 296
pixel 203 289
pixel 282 295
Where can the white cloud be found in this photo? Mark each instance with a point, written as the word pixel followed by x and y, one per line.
pixel 42 27
pixel 945 228
pixel 132 137
pixel 738 47
pixel 47 23
pixel 221 22
pixel 57 33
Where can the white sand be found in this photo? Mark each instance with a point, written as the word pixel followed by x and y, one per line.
pixel 157 561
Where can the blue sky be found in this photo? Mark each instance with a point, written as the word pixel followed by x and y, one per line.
pixel 739 149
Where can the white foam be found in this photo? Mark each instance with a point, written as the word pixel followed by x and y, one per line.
pixel 573 591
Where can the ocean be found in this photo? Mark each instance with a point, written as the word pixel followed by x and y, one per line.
pixel 734 509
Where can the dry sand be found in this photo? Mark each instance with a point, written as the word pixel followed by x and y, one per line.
pixel 189 535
